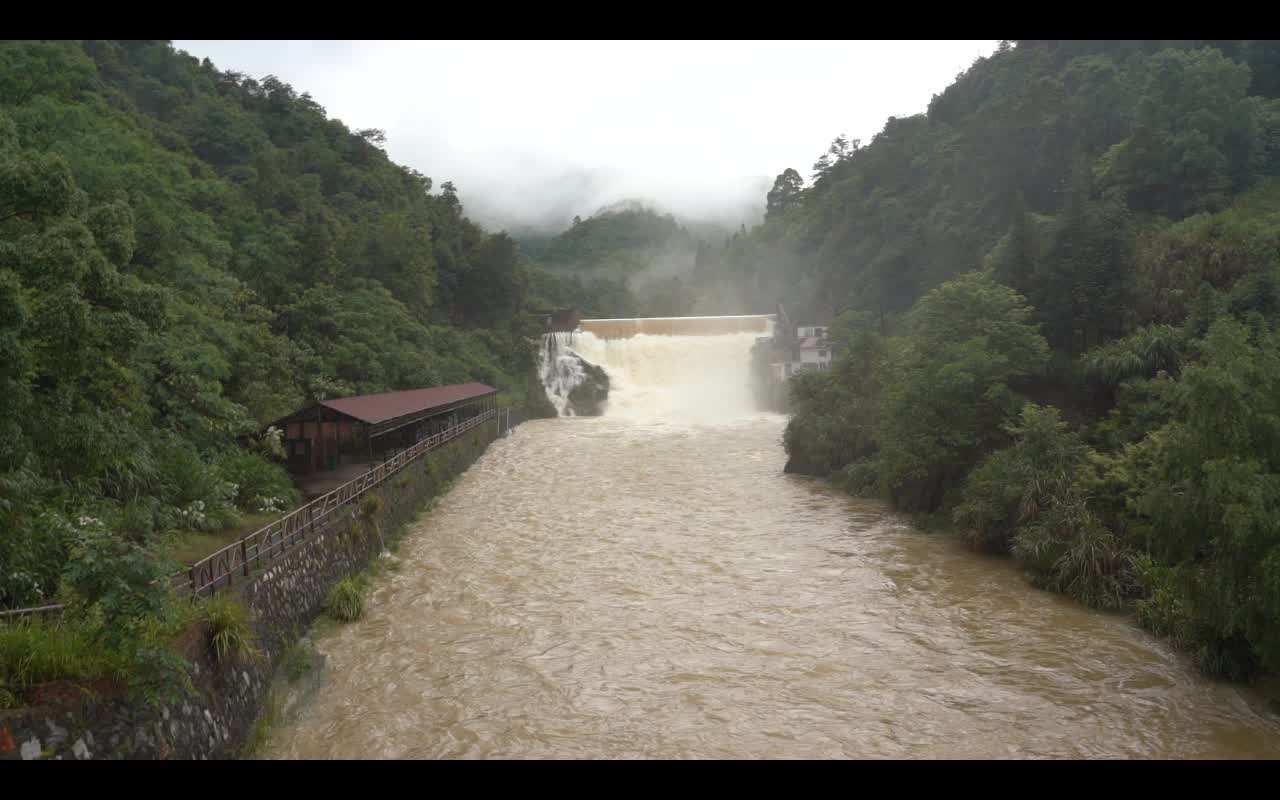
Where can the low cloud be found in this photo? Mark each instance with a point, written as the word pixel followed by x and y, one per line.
pixel 533 133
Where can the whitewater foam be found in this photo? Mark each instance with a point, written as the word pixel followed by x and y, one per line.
pixel 658 378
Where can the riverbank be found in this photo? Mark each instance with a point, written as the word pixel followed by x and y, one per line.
pixel 301 672
pixel 1266 688
pixel 217 717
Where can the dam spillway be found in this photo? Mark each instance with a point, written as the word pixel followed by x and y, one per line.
pixel 759 324
pixel 693 368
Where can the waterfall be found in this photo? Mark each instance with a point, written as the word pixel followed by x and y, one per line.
pixel 562 370
pixel 671 377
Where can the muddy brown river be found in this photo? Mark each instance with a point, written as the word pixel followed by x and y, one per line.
pixel 619 588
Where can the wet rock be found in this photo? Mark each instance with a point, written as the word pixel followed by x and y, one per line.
pixel 575 386
pixel 587 399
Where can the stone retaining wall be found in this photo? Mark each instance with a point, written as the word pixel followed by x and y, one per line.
pixel 216 719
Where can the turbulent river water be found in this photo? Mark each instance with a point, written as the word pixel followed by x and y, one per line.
pixel 649 584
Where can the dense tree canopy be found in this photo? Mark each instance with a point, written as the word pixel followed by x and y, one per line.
pixel 188 254
pixel 1065 278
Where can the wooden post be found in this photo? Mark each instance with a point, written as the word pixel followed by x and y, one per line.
pixel 319 435
pixel 244 557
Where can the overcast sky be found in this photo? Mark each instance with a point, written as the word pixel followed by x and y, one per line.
pixel 535 132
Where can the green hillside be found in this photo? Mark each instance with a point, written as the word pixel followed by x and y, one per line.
pixel 1056 295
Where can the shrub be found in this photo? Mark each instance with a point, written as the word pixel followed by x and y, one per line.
pixel 157 674
pixel 860 479
pixel 187 478
pixel 1072 553
pixel 33 549
pixel 1161 609
pixel 1031 499
pixel 345 602
pixel 136 520
pixel 231 633
pixel 994 500
pixel 833 425
pixel 115 582
pixel 120 619
pixel 259 484
pixel 1013 486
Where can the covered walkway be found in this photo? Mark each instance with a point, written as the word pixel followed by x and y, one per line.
pixel 331 441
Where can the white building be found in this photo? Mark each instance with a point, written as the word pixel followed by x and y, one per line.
pixel 815 353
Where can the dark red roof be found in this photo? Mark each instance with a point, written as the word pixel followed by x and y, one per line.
pixel 375 408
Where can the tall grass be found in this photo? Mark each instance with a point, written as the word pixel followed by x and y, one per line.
pixel 230 629
pixel 35 651
pixel 345 602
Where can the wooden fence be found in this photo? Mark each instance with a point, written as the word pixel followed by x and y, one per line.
pixel 38 611
pixel 239 559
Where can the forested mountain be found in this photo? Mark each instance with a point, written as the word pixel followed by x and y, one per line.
pixel 627 260
pixel 187 254
pixel 1056 295
pixel 1164 130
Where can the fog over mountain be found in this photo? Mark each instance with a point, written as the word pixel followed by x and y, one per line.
pixel 534 133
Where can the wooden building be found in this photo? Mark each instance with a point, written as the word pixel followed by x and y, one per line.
pixel 368 428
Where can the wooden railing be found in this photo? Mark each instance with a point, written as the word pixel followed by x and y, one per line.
pixel 38 611
pixel 242 557
pixel 239 559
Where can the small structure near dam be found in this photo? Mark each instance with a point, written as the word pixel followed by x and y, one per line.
pixel 559 320
pixel 330 442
